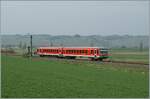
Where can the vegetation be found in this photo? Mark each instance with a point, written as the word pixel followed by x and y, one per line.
pixel 131 55
pixel 111 41
pixel 35 77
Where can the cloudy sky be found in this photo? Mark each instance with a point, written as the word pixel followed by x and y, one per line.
pixel 75 17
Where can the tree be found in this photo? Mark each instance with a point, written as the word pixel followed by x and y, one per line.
pixel 76 35
pixel 61 44
pixel 141 46
pixel 92 44
pixel 20 44
pixel 24 46
pixel 51 44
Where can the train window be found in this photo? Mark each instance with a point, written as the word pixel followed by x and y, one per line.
pixel 82 51
pixel 85 51
pixel 104 51
pixel 92 51
pixel 95 51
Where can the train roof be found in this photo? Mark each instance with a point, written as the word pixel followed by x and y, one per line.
pixel 74 47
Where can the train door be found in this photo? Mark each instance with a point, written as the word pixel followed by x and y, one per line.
pixel 60 52
pixel 95 51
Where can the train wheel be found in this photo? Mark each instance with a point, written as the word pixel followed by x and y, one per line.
pixel 101 59
pixel 41 55
pixel 92 59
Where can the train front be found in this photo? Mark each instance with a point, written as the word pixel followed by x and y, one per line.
pixel 103 53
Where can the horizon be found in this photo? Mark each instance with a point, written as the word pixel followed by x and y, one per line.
pixel 81 34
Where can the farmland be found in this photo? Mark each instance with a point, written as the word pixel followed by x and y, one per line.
pixel 130 55
pixel 36 77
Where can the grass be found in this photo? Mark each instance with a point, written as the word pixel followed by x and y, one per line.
pixel 130 55
pixel 22 77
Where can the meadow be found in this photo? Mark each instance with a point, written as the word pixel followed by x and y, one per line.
pixel 130 55
pixel 45 78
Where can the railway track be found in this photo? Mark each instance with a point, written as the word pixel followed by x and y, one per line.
pixel 110 61
pixel 82 59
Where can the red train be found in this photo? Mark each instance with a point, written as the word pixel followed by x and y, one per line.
pixel 94 53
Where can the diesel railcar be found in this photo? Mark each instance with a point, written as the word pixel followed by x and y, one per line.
pixel 94 53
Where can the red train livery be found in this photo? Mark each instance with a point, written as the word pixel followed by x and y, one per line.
pixel 73 52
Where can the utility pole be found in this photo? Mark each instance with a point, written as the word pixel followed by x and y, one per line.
pixel 29 50
pixel 31 44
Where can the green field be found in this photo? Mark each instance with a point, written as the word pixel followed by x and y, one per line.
pixel 130 55
pixel 23 77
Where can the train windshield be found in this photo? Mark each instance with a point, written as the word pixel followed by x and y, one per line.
pixel 104 51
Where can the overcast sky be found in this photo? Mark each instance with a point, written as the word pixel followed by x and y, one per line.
pixel 75 17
